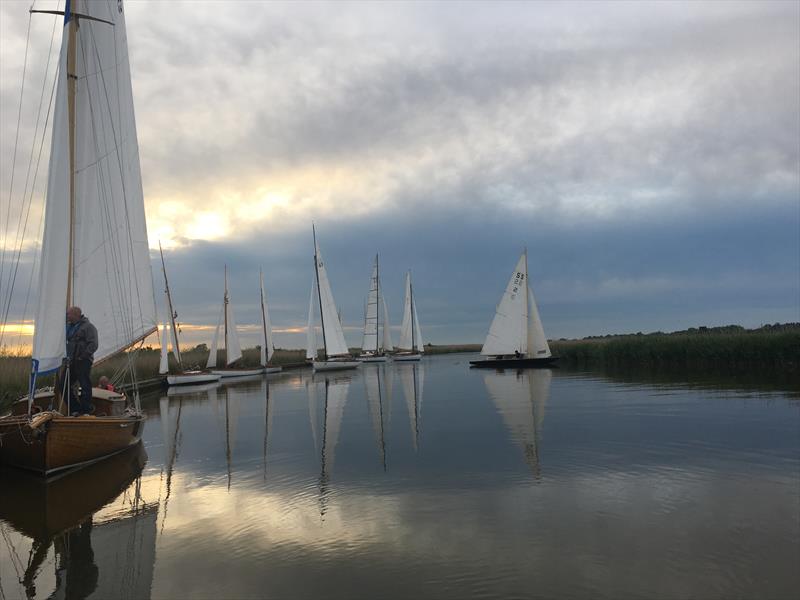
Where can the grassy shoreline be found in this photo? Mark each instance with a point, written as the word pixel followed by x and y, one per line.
pixel 730 349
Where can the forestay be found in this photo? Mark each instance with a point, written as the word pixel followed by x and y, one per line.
pixel 107 272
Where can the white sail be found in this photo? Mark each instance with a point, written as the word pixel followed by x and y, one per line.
pixel 233 350
pixel 332 333
pixel 370 341
pixel 109 260
pixel 406 337
pixel 387 333
pixel 212 356
pixel 508 332
pixel 335 399
pixel 520 398
pixel 311 334
pixel 418 345
pixel 537 340
pixel 267 344
pixel 163 365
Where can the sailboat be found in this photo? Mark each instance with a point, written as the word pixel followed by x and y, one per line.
pixel 233 350
pixel 169 333
pixel 267 343
pixel 516 337
pixel 94 249
pixel 410 333
pixel 374 349
pixel 337 355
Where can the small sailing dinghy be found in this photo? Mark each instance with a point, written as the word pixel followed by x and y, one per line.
pixel 374 349
pixel 94 251
pixel 337 355
pixel 516 337
pixel 267 343
pixel 233 350
pixel 410 333
pixel 169 333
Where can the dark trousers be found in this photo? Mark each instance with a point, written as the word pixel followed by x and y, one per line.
pixel 81 374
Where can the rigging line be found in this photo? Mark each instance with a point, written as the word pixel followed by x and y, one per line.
pixel 17 239
pixel 13 278
pixel 14 158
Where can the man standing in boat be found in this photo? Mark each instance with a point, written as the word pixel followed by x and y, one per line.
pixel 81 346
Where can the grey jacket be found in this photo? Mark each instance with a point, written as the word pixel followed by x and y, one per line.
pixel 81 340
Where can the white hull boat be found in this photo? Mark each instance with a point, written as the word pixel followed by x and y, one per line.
pixel 178 390
pixel 269 370
pixel 407 357
pixel 192 377
pixel 372 358
pixel 229 373
pixel 335 365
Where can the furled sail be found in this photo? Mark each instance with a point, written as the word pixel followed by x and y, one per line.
pixel 267 344
pixel 95 250
pixel 332 332
pixel 370 341
pixel 508 332
pixel 311 334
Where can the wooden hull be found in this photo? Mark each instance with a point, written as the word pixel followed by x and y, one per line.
pixel 514 363
pixel 192 377
pixel 65 442
pixel 407 357
pixel 227 373
pixel 43 508
pixel 335 365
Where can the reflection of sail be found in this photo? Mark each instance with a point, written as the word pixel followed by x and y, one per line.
pixel 375 403
pixel 171 443
pixel 111 558
pixel 267 419
pixel 412 377
pixel 231 425
pixel 520 398
pixel 335 399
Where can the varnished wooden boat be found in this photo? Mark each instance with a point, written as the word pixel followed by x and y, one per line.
pixel 48 442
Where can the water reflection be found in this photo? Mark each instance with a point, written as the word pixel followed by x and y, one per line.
pixel 111 557
pixel 321 486
pixel 520 397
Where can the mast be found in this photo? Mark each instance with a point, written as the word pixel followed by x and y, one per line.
pixel 72 79
pixel 225 313
pixel 171 310
pixel 319 293
pixel 264 321
pixel 529 349
pixel 377 305
pixel 413 324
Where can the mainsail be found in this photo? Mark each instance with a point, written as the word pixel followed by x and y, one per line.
pixel 387 334
pixel 332 333
pixel 95 250
pixel 370 341
pixel 410 332
pixel 508 332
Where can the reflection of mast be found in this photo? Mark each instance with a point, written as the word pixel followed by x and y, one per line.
pixel 412 380
pixel 323 477
pixel 228 438
pixel 267 423
pixel 173 450
pixel 335 399
pixel 375 404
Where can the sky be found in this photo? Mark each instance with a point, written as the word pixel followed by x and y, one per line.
pixel 646 154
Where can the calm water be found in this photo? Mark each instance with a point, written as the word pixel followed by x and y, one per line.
pixel 427 480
